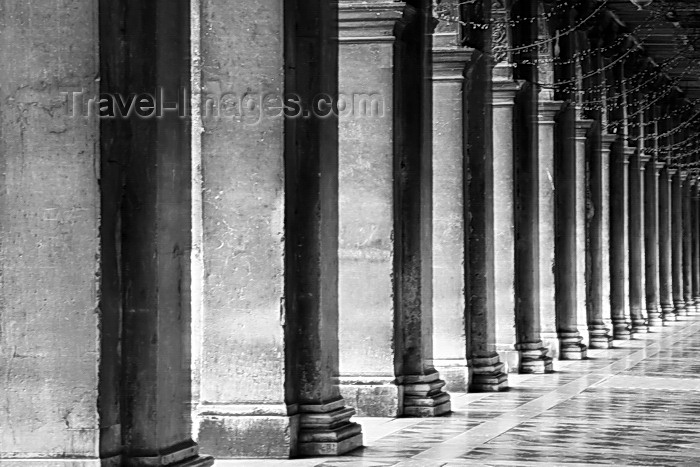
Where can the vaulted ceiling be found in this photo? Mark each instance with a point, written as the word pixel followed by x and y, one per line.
pixel 669 31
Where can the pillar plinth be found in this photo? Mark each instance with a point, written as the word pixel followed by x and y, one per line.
pixel 366 204
pixel 677 286
pixel 546 124
pixel 666 243
pixel 449 339
pixel 598 253
pixel 651 245
pixel 688 298
pixel 637 282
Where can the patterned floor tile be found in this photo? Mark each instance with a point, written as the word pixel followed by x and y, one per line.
pixel 636 404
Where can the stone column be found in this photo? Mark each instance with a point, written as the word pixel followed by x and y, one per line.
pixel 677 242
pixel 503 102
pixel 619 240
pixel 547 110
pixel 487 368
pixel 566 251
pixel 665 243
pixel 413 253
pixel 651 243
pixel 449 340
pixel 366 178
pixel 59 347
pixel 598 302
pixel 583 126
pixel 695 218
pixel 149 179
pixel 270 203
pixel 688 297
pixel 636 242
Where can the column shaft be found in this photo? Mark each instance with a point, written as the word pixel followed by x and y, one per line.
pixel 546 122
pixel 413 255
pixel 688 245
pixel 619 240
pixel 677 243
pixel 487 368
pixel 58 345
pixel 598 277
pixel 449 341
pixel 270 234
pixel 651 243
pixel 532 352
pixel 566 247
pixel 366 204
pixel 666 243
pixel 583 127
pixel 636 243
pixel 502 134
pixel 695 219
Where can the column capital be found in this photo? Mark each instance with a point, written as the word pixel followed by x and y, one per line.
pixel 449 63
pixel 628 152
pixel 504 92
pixel 659 166
pixel 582 127
pixel 608 138
pixel 683 174
pixel 643 157
pixel 548 109
pixel 671 170
pixel 368 21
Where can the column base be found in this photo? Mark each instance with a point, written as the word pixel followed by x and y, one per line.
pixel 679 308
pixel 326 429
pixel 690 308
pixel 372 396
pixel 533 358
pixel 654 317
pixel 570 346
pixel 639 326
pixel 455 372
pixel 248 430
pixel 668 313
pixel 488 374
pixel 621 331
pixel 115 461
pixel 424 397
pixel 600 337
pixel 183 455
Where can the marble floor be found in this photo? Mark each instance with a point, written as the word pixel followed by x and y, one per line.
pixel 636 404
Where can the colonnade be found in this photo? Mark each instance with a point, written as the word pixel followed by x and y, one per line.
pixel 461 216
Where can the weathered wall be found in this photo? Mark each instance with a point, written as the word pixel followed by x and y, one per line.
pixel 49 218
